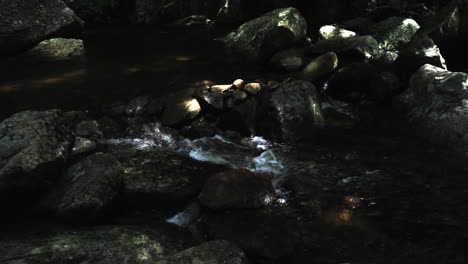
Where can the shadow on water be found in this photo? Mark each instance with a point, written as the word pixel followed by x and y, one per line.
pixel 121 63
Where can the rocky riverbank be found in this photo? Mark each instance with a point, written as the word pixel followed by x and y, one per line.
pixel 348 146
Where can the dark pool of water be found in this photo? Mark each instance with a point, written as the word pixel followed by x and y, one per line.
pixel 121 63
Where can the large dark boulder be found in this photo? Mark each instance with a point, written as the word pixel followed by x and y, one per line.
pixel 25 23
pixel 268 34
pixel 100 245
pixel 222 252
pixel 292 112
pixel 436 104
pixel 34 146
pixel 163 175
pixel 87 188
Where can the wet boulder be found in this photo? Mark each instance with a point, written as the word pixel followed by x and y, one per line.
pixel 435 103
pixel 268 34
pixel 25 23
pixel 420 52
pixel 237 188
pixel 259 233
pixel 320 67
pixel 293 111
pixel 34 146
pixel 87 188
pixel 394 32
pixel 59 49
pixel 218 251
pixel 165 175
pixel 100 245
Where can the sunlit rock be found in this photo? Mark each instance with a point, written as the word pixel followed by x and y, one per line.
pixel 210 252
pixel 180 107
pixel 332 31
pixel 25 23
pixel 285 26
pixel 235 189
pixel 436 104
pixel 394 32
pixel 98 245
pixel 319 67
pixel 253 88
pixel 220 88
pixel 34 146
pixel 239 83
pixel 149 175
pixel 87 188
pixel 356 48
pixel 59 49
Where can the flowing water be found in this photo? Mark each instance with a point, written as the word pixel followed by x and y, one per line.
pixel 383 196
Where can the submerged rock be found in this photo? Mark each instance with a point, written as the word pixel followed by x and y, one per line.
pixel 166 175
pixel 216 252
pixel 285 26
pixel 82 146
pixel 100 245
pixel 25 23
pixel 258 233
pixel 34 146
pixel 436 103
pixel 59 49
pixel 238 188
pixel 87 188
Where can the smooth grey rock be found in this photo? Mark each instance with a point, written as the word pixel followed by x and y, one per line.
pixel 393 32
pixel 34 146
pixel 287 60
pixel 436 103
pixel 25 23
pixel 87 188
pixel 296 109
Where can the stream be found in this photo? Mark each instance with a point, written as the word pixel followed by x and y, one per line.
pixel 368 193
